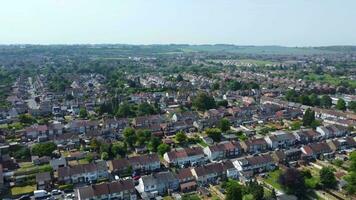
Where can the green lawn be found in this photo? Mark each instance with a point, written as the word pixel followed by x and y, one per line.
pixel 27 169
pixel 272 179
pixel 15 191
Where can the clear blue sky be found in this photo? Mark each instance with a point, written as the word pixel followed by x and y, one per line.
pixel 241 22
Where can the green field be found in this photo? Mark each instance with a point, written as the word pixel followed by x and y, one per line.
pixel 272 179
pixel 16 191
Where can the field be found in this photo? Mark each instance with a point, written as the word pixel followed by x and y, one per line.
pixel 272 179
pixel 15 191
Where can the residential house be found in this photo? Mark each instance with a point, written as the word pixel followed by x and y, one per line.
pixel 256 145
pixel 209 173
pixel 222 150
pixel 185 157
pixel 340 144
pixel 186 179
pixel 316 150
pixel 44 181
pixel 307 136
pixel 255 164
pixel 158 183
pixel 116 190
pixel 145 163
pixel 83 173
pixel 332 131
pixel 280 139
pixel 119 166
pixel 34 131
pixel 58 162
pixel 287 156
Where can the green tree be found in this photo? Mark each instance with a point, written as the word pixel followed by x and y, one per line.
pixel 130 136
pixel 145 109
pixel 125 110
pixel 89 157
pixel 83 113
pixel 255 189
pixel 314 100
pixel 119 149
pixel 291 95
pixel 233 191
pixel 327 177
pixel 326 101
pixel 214 133
pixel 292 181
pixel 224 124
pixel 179 78
pixel 181 137
pixel 94 144
pixel 26 119
pixel 308 117
pixel 215 86
pixel 352 106
pixel 304 99
pixel 43 149
pixel 273 195
pixel 163 148
pixel 104 156
pixel 153 144
pixel 341 104
pixel 234 85
pixel 204 102
pixel 143 137
pixel 223 103
pixel 22 153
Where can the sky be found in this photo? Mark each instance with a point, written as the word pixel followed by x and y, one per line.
pixel 240 22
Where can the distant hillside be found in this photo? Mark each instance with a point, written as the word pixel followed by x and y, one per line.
pixel 270 49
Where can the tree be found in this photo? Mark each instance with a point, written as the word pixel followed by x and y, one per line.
pixel 215 86
pixel 273 195
pixel 27 119
pixel 234 85
pixel 314 100
pixel 124 110
pixel 163 148
pixel 179 78
pixel 255 189
pixel 351 176
pixel 341 104
pixel 204 102
pixel 21 153
pixel 327 177
pixel 304 99
pixel 248 197
pixel 224 125
pixel 119 148
pixel 326 101
pixel 153 144
pixel 214 133
pixel 308 117
pixel 89 157
pixel 129 136
pixel 291 95
pixel 145 109
pixel 143 136
pixel 104 156
pixel 83 113
pixel 43 149
pixel 94 144
pixel 233 191
pixel 352 106
pixel 223 103
pixel 292 181
pixel 181 137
